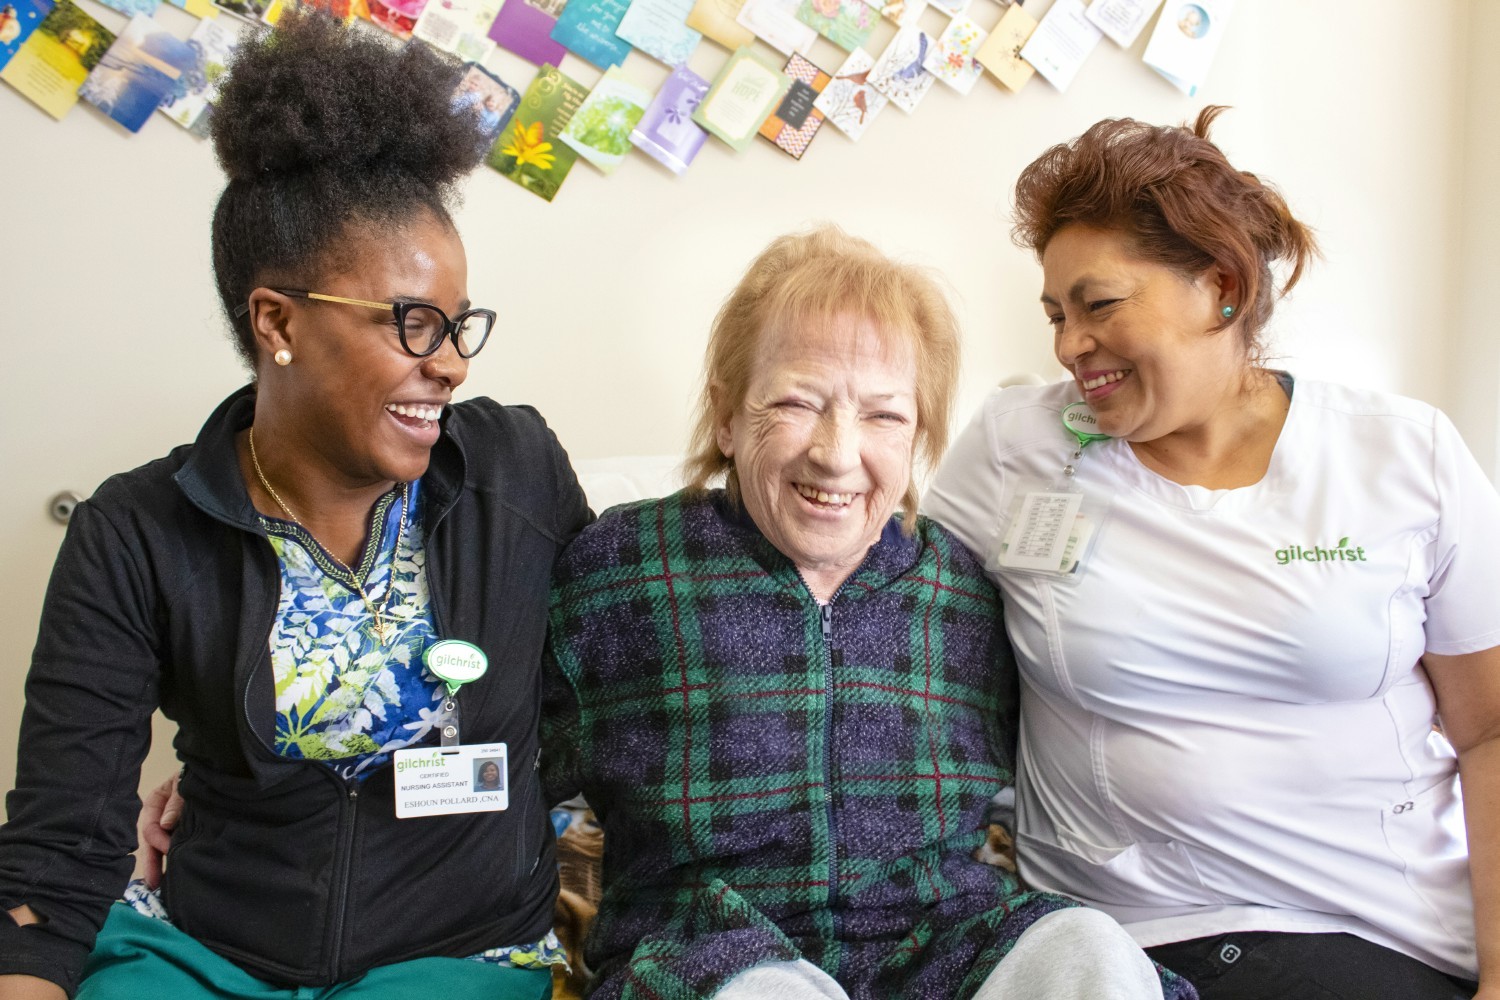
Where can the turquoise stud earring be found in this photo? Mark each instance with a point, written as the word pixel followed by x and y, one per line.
pixel 1227 311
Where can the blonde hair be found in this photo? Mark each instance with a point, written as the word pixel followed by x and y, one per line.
pixel 810 278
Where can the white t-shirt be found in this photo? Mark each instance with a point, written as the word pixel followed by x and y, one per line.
pixel 1225 725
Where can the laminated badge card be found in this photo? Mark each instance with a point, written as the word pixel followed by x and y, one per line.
pixel 492 100
pixel 53 63
pixel 212 42
pixel 528 154
pixel 18 19
pixel 586 28
pixel 600 129
pixel 849 101
pixel 138 73
pixel 667 132
pixel 743 96
pixel 898 73
pixel 792 125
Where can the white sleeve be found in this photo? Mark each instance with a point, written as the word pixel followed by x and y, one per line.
pixel 1463 601
pixel 966 491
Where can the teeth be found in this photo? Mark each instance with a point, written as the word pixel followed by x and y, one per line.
pixel 822 496
pixel 1105 379
pixel 418 411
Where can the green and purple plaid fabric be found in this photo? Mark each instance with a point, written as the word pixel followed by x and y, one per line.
pixel 778 780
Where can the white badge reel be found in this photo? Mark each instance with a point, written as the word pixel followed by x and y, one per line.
pixel 1051 527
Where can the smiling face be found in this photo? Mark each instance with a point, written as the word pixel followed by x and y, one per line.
pixel 1140 339
pixel 822 444
pixel 352 396
pixel 489 774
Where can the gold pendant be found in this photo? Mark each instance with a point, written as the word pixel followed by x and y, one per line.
pixel 384 632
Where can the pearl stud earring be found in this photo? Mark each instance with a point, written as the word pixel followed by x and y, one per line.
pixel 283 357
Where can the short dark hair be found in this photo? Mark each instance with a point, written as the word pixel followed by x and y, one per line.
pixel 321 126
pixel 1177 198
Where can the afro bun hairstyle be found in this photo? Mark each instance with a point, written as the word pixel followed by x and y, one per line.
pixel 321 126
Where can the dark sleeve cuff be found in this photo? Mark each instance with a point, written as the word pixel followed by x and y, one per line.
pixel 32 951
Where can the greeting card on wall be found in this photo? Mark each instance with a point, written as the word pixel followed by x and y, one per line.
pixel 667 132
pixel 18 19
pixel 459 26
pixel 1001 51
pixel 742 97
pixel 250 10
pixel 53 63
pixel 775 23
pixel 600 130
pixel 491 99
pixel 716 20
pixel 902 13
pixel 951 59
pixel 846 23
pixel 657 28
pixel 1122 20
pixel 133 7
pixel 848 100
pixel 1061 42
pixel 587 29
pixel 138 73
pixel 951 7
pixel 898 73
pixel 794 123
pixel 525 28
pixel 1186 37
pixel 527 153
pixel 399 17
pixel 212 42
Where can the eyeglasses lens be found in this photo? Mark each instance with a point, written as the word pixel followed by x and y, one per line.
pixel 423 327
pixel 472 333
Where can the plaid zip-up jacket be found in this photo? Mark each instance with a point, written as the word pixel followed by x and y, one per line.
pixel 778 779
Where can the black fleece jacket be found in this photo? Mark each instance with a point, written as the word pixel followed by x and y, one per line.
pixel 163 594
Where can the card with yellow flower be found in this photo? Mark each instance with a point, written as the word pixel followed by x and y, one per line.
pixel 529 152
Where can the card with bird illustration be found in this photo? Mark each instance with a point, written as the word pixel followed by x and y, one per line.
pixel 898 73
pixel 848 101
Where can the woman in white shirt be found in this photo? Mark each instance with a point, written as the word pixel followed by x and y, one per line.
pixel 1240 603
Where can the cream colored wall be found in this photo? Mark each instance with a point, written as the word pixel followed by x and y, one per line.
pixel 114 349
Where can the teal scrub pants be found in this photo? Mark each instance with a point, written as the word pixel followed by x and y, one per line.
pixel 136 956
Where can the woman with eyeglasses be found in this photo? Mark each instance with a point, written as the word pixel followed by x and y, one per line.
pixel 344 570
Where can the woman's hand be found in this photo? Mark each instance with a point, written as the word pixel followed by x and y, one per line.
pixel 159 814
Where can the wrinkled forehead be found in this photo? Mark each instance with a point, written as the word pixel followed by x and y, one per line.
pixel 850 333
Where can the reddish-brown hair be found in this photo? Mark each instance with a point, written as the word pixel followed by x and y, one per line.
pixel 809 279
pixel 1178 199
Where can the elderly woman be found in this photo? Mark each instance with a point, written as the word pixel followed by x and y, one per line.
pixel 275 586
pixel 1255 597
pixel 789 706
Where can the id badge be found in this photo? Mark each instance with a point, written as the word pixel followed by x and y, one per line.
pixel 1048 533
pixel 1050 529
pixel 443 781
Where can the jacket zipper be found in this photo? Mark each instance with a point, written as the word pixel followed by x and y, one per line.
pixel 825 622
pixel 341 886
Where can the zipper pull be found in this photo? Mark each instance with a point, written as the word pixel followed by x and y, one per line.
pixel 825 612
pixel 536 764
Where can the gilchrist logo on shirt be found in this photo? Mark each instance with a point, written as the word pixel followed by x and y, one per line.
pixel 1342 552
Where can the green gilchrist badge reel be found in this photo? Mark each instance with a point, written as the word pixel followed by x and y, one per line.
pixel 455 663
pixel 1050 528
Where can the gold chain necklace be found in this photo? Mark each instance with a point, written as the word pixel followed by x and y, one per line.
pixel 383 628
